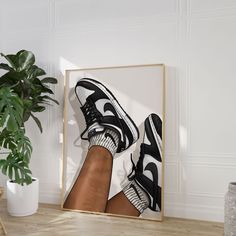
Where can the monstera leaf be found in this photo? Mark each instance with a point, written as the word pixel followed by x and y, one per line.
pixel 16 164
pixel 11 110
pixel 16 142
pixel 16 169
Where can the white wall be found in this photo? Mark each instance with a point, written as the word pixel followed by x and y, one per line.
pixel 194 38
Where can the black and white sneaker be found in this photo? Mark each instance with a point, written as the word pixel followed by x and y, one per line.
pixel 148 171
pixel 101 110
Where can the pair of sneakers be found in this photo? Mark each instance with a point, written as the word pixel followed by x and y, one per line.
pixel 103 113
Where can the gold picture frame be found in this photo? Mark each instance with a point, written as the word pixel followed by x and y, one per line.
pixel 152 73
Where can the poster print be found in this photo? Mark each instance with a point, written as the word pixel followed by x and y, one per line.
pixel 114 141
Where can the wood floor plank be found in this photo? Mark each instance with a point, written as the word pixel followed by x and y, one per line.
pixel 50 220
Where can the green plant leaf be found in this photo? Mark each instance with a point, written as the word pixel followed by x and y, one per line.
pixel 49 80
pixel 22 76
pixel 12 59
pixel 47 90
pixel 5 67
pixel 38 108
pixel 35 71
pixel 23 60
pixel 24 146
pixel 26 59
pixel 11 110
pixel 16 169
pixel 12 79
pixel 17 142
pixel 10 171
pixel 44 98
pixel 37 122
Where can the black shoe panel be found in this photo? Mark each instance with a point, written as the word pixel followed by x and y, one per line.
pixel 150 156
pixel 153 149
pixel 120 122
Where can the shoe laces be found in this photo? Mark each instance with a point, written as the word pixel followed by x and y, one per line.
pixel 91 115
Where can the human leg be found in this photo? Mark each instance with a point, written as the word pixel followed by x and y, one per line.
pixel 144 190
pixel 96 171
pixel 110 130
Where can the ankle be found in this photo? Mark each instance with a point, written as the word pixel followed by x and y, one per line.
pixel 108 140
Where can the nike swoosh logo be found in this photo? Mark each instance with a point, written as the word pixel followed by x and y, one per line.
pixel 109 107
pixel 155 193
pixel 126 131
pixel 110 136
pixel 151 187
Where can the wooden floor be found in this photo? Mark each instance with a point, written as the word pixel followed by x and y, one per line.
pixel 50 220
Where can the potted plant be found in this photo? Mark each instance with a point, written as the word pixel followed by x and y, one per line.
pixel 22 94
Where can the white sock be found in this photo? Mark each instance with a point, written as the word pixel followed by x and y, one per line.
pixel 137 197
pixel 108 139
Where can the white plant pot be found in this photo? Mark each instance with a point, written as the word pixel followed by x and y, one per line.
pixel 22 200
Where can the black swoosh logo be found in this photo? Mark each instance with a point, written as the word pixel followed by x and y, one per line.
pixel 153 169
pixel 118 122
pixel 151 186
pixel 110 136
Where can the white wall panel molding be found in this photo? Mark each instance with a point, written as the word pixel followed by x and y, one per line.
pixel 194 198
pixel 49 193
pixel 206 200
pixel 150 23
pixel 33 16
pixel 172 178
pixel 229 13
pixel 221 156
pixel 206 108
pixel 24 34
pixel 198 163
pixel 202 206
pixel 206 195
pixel 200 212
pixel 203 8
pixel 151 44
pixel 71 12
pixel 209 160
pixel 172 107
pixel 198 179
pixel 184 130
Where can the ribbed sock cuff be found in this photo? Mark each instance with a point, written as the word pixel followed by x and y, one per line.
pixel 136 196
pixel 108 139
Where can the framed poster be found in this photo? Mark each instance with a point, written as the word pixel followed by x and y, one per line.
pixel 140 91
